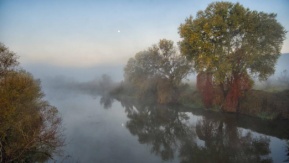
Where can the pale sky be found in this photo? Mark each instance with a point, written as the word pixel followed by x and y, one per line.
pixel 83 33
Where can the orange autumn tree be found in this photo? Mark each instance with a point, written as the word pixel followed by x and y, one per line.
pixel 227 44
pixel 30 128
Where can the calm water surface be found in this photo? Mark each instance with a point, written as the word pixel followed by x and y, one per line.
pixel 101 129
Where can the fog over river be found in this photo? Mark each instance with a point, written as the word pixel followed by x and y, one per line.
pixel 99 128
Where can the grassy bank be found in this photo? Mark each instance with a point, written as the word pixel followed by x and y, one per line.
pixel 256 103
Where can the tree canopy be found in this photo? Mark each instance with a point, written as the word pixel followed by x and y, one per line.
pixel 159 69
pixel 230 43
pixel 8 60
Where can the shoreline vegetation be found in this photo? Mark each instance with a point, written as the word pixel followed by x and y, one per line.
pixel 260 104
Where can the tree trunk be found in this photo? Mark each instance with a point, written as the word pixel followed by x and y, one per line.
pixel 205 87
pixel 232 97
pixel 239 84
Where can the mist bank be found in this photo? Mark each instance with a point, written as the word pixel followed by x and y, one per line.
pixel 98 86
pixel 280 79
pixel 101 80
pixel 45 71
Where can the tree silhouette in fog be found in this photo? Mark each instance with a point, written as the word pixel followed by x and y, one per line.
pixel 157 72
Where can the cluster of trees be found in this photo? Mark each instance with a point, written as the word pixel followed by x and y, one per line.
pixel 30 128
pixel 226 44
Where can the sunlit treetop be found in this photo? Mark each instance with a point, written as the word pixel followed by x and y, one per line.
pixel 227 39
pixel 8 59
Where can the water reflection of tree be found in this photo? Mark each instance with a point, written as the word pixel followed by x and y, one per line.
pixel 159 127
pixel 224 142
pixel 106 100
pixel 287 152
pixel 168 132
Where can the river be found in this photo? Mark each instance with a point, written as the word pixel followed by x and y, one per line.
pixel 103 129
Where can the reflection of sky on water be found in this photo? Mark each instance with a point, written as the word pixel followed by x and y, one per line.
pixel 278 149
pixel 95 134
pixel 277 146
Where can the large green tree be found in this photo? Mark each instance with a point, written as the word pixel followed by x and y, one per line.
pixel 157 71
pixel 228 44
pixel 30 128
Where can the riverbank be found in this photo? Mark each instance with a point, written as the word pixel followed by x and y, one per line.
pixel 255 103
pixel 263 104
